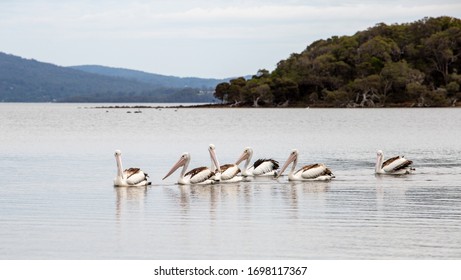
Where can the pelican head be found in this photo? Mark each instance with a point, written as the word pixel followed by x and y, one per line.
pixel 214 158
pixel 293 157
pixel 379 161
pixel 183 160
pixel 246 155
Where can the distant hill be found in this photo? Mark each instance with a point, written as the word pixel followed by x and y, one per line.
pixel 28 80
pixel 149 78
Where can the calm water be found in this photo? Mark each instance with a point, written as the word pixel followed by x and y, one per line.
pixel 57 200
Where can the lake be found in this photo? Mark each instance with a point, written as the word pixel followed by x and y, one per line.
pixel 58 201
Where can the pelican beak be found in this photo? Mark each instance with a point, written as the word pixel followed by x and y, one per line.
pixel 214 159
pixel 178 164
pixel 290 159
pixel 242 157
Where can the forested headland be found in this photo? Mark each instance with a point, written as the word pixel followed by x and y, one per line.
pixel 403 65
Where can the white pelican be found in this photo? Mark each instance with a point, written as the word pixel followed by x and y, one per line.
pixel 131 177
pixel 395 166
pixel 261 167
pixel 228 172
pixel 312 172
pixel 200 175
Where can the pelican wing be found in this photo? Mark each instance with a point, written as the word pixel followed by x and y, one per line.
pixel 199 174
pixel 135 176
pixel 262 166
pixel 390 160
pixel 313 171
pixel 229 171
pixel 396 163
pixel 131 171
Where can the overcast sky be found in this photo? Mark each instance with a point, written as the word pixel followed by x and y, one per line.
pixel 208 39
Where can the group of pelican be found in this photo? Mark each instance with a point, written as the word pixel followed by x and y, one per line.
pixel 230 173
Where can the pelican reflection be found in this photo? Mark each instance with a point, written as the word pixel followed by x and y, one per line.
pixel 129 199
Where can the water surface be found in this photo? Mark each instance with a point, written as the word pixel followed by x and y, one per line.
pixel 57 200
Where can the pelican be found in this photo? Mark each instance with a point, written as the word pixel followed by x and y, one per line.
pixel 131 177
pixel 312 172
pixel 261 167
pixel 228 173
pixel 200 175
pixel 395 166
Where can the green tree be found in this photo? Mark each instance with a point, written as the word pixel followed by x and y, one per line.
pixel 443 49
pixel 417 92
pixel 367 90
pixel 338 98
pixel 262 74
pixel 236 89
pixel 284 90
pixel 222 91
pixel 453 92
pixel 258 93
pixel 394 78
pixel 374 53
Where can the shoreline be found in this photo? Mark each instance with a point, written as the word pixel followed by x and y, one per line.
pixel 230 106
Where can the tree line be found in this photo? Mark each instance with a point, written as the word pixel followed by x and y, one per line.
pixel 411 64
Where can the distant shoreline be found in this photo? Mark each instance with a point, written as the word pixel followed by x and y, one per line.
pixel 157 106
pixel 91 105
pixel 230 106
